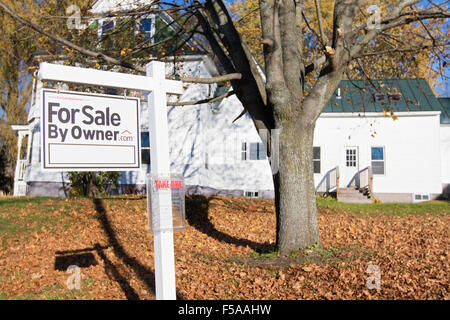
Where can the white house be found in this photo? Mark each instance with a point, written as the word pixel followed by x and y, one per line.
pixel 357 144
pixel 360 148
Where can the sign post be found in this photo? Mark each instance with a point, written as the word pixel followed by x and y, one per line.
pixel 108 115
pixel 160 165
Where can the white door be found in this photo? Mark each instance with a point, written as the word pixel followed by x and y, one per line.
pixel 349 175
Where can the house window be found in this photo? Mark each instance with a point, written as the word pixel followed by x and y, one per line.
pixel 257 151
pixel 107 26
pixel 350 157
pixel 394 97
pixel 421 197
pixel 378 97
pixel 253 151
pixel 145 27
pixel 251 194
pixel 377 160
pixel 145 148
pixel 106 29
pixel 244 151
pixel 316 159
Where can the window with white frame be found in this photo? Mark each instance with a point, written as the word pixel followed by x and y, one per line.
pixel 257 151
pixel 316 159
pixel 244 151
pixel 107 26
pixel 350 157
pixel 145 27
pixel 421 197
pixel 377 160
pixel 253 151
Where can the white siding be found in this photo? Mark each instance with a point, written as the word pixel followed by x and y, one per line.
pixel 412 152
pixel 223 141
pixel 205 146
pixel 445 152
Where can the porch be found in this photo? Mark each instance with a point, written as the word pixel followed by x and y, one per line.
pixel 358 190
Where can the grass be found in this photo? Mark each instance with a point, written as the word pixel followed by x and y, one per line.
pixel 55 292
pixel 21 202
pixel 226 254
pixel 29 223
pixel 317 255
pixel 393 209
pixel 25 215
pixel 39 209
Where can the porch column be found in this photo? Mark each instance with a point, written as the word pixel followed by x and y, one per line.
pixel 16 175
pixel 29 135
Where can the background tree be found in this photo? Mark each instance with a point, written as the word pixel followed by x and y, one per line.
pixel 400 59
pixel 17 47
pixel 92 184
pixel 304 62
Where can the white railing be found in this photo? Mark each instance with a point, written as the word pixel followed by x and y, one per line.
pixel 334 178
pixel 366 179
pixel 330 181
pixel 21 168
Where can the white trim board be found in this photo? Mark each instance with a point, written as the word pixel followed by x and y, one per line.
pixel 378 114
pixel 55 72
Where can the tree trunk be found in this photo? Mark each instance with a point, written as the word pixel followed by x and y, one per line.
pixel 295 200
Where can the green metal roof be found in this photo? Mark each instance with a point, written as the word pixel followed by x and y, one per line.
pixel 445 113
pixel 362 96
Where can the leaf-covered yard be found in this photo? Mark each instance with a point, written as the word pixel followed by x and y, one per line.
pixel 226 251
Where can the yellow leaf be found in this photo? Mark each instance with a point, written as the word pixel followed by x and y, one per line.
pixel 307 269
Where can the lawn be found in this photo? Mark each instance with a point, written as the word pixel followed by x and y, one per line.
pixel 226 252
pixel 395 209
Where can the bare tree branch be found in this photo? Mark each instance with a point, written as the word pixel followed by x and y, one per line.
pixel 400 50
pixel 207 100
pixel 102 56
pixel 223 78
pixel 59 39
pixel 323 40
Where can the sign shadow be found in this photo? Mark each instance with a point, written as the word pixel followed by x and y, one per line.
pixel 197 215
pixel 145 274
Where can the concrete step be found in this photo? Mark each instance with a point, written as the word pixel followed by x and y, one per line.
pixel 351 195
pixel 345 200
pixel 349 192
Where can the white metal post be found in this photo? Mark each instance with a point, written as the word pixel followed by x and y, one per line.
pixel 160 166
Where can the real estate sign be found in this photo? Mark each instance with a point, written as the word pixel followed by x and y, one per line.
pixel 89 132
pixel 92 132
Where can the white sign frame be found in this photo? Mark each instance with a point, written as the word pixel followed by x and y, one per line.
pixel 156 83
pixel 70 148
